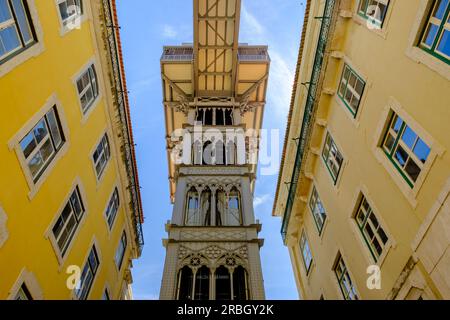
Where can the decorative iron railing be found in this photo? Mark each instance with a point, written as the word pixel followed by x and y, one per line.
pixel 180 53
pixel 253 54
pixel 309 109
pixel 121 103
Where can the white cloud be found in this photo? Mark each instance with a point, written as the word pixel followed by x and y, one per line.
pixel 257 201
pixel 169 31
pixel 280 84
pixel 252 25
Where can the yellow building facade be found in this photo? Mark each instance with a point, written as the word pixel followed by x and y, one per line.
pixel 364 183
pixel 70 206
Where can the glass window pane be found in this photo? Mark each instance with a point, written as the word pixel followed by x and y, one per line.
pixel 401 156
pixel 346 73
pixel 382 235
pixel 359 87
pixel 40 131
pixel 28 144
pixel 397 124
pixel 440 9
pixel 421 150
pixel 430 34
pixel 54 128
pixel 35 164
pixel 389 143
pixel 409 137
pixel 5 13
pixel 412 169
pixel 23 20
pixel 444 43
pixel 47 150
pixel 10 38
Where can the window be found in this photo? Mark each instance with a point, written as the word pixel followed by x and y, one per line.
pixel 42 143
pixel 332 157
pixel 370 228
pixel 16 29
pixel 88 275
pixel 240 284
pixel 101 156
pixel 223 283
pixel 120 252
pixel 68 222
pixel 214 116
pixel 436 34
pixel 23 293
pixel 343 277
pixel 70 10
pixel 374 11
pixel 406 150
pixel 306 252
pixel 113 207
pixel 233 217
pixel 87 88
pixel 201 288
pixel 185 282
pixel 351 89
pixel 192 208
pixel 317 210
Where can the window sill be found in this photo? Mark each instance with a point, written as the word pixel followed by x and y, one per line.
pixel 420 56
pixel 71 25
pixel 18 58
pixel 381 32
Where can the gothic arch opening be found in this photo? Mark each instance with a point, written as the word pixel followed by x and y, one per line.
pixel 192 208
pixel 201 290
pixel 234 212
pixel 185 281
pixel 206 207
pixel 223 283
pixel 240 284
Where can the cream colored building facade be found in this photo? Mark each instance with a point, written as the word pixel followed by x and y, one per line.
pixel 364 183
pixel 214 91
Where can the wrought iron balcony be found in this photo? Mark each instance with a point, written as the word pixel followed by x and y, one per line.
pixel 178 53
pixel 309 110
pixel 253 54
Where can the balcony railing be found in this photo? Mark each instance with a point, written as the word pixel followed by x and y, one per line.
pixel 178 54
pixel 253 54
pixel 309 110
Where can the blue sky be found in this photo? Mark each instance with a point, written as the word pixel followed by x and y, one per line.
pixel 145 27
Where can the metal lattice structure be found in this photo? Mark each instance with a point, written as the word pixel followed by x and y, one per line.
pixel 310 107
pixel 121 101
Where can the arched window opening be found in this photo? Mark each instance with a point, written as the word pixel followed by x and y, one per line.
pixel 193 217
pixel 201 291
pixel 230 152
pixel 229 117
pixel 197 153
pixel 220 207
pixel 185 281
pixel 206 208
pixel 219 153
pixel 199 116
pixel 234 216
pixel 208 119
pixel 223 284
pixel 208 153
pixel 240 284
pixel 220 121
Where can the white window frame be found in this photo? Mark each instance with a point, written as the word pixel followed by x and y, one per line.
pixel 77 183
pixel 329 145
pixel 367 221
pixel 92 85
pixel 121 250
pixel 344 275
pixel 14 144
pixel 373 20
pixel 33 51
pixel 305 250
pixel 111 205
pixel 108 156
pixel 345 83
pixel 314 201
pixel 73 22
pixel 79 291
pixel 413 50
